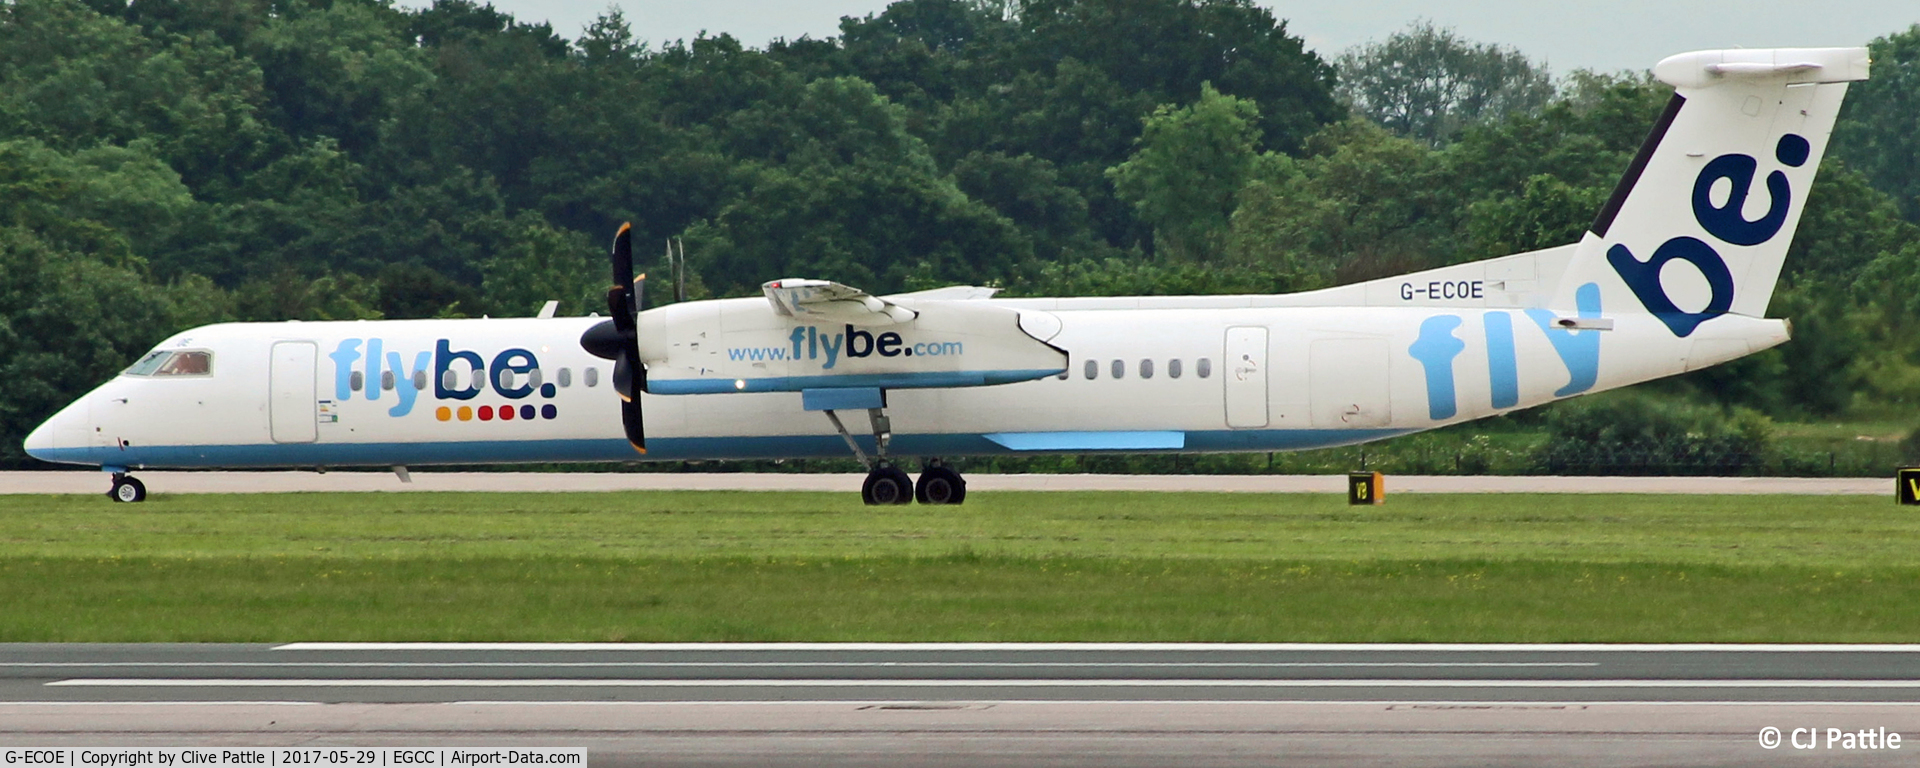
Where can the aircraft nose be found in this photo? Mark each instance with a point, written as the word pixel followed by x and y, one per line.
pixel 40 441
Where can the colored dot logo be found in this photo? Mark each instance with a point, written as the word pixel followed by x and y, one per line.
pixel 503 413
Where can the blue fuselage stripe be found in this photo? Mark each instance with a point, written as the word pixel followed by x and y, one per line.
pixel 923 380
pixel 675 449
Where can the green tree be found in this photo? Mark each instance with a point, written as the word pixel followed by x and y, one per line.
pixel 338 71
pixel 1191 163
pixel 1363 203
pixel 1165 50
pixel 73 78
pixel 1547 212
pixel 1879 128
pixel 1427 82
pixel 1030 192
pixel 542 264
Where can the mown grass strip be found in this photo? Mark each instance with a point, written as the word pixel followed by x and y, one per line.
pixel 1814 531
pixel 956 598
pixel 1005 567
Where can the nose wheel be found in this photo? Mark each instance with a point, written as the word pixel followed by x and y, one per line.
pixel 126 489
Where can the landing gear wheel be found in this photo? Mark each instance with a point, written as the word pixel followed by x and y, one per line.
pixel 127 490
pixel 887 484
pixel 940 485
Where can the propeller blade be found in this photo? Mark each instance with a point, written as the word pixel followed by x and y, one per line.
pixel 636 427
pixel 622 343
pixel 622 256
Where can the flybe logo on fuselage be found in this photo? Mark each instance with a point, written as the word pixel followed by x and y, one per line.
pixel 807 342
pixel 364 368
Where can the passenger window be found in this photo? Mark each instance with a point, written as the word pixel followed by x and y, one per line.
pixel 1119 369
pixel 536 379
pixel 1173 368
pixel 1204 367
pixel 1146 369
pixel 420 381
pixel 357 381
pixel 591 377
pixel 565 377
pixel 386 380
pixel 187 364
pixel 479 379
pixel 1093 370
pixel 448 380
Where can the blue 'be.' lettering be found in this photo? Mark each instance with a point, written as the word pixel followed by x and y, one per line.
pixel 1724 222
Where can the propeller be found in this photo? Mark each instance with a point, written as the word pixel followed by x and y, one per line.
pixel 618 339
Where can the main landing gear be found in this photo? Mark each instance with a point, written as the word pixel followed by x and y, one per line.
pixel 126 489
pixel 889 484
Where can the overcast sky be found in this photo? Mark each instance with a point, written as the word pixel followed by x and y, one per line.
pixel 1566 34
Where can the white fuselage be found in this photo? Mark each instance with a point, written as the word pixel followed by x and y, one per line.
pixel 1141 375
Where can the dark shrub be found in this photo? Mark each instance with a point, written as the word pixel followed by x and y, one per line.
pixel 1629 433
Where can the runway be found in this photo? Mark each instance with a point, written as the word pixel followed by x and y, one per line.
pixel 76 482
pixel 978 704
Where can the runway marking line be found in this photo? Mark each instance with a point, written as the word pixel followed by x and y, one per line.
pixel 869 703
pixel 900 683
pixel 836 664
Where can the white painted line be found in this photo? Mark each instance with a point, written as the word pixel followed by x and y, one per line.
pixel 900 683
pixel 234 703
pixel 1220 647
pixel 1474 703
pixel 1477 703
pixel 757 664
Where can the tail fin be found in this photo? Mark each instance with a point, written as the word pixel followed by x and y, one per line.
pixel 1719 184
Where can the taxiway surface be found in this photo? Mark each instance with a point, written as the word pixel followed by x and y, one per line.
pixel 980 704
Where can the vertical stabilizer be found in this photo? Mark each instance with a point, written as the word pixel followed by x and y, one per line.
pixel 1700 223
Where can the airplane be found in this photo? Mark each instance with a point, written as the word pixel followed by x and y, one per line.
pixel 1674 275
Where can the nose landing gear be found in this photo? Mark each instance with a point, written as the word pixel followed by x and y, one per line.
pixel 127 489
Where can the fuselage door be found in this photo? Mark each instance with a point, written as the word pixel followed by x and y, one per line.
pixel 1348 380
pixel 1246 377
pixel 292 393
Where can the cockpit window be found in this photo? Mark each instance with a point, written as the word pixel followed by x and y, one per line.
pixel 147 365
pixel 194 362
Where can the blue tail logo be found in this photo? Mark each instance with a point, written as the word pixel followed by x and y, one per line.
pixel 1725 223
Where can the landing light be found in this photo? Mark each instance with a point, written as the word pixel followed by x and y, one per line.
pixel 739 383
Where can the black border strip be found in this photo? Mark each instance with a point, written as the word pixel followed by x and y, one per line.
pixel 1605 220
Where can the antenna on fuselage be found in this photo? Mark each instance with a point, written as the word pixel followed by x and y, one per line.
pixel 679 266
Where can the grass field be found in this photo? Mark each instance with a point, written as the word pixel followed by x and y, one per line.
pixel 1007 566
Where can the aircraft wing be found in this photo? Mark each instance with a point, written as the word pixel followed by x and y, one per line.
pixel 826 300
pixel 949 293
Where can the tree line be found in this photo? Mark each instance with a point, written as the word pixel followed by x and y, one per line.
pixel 168 163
